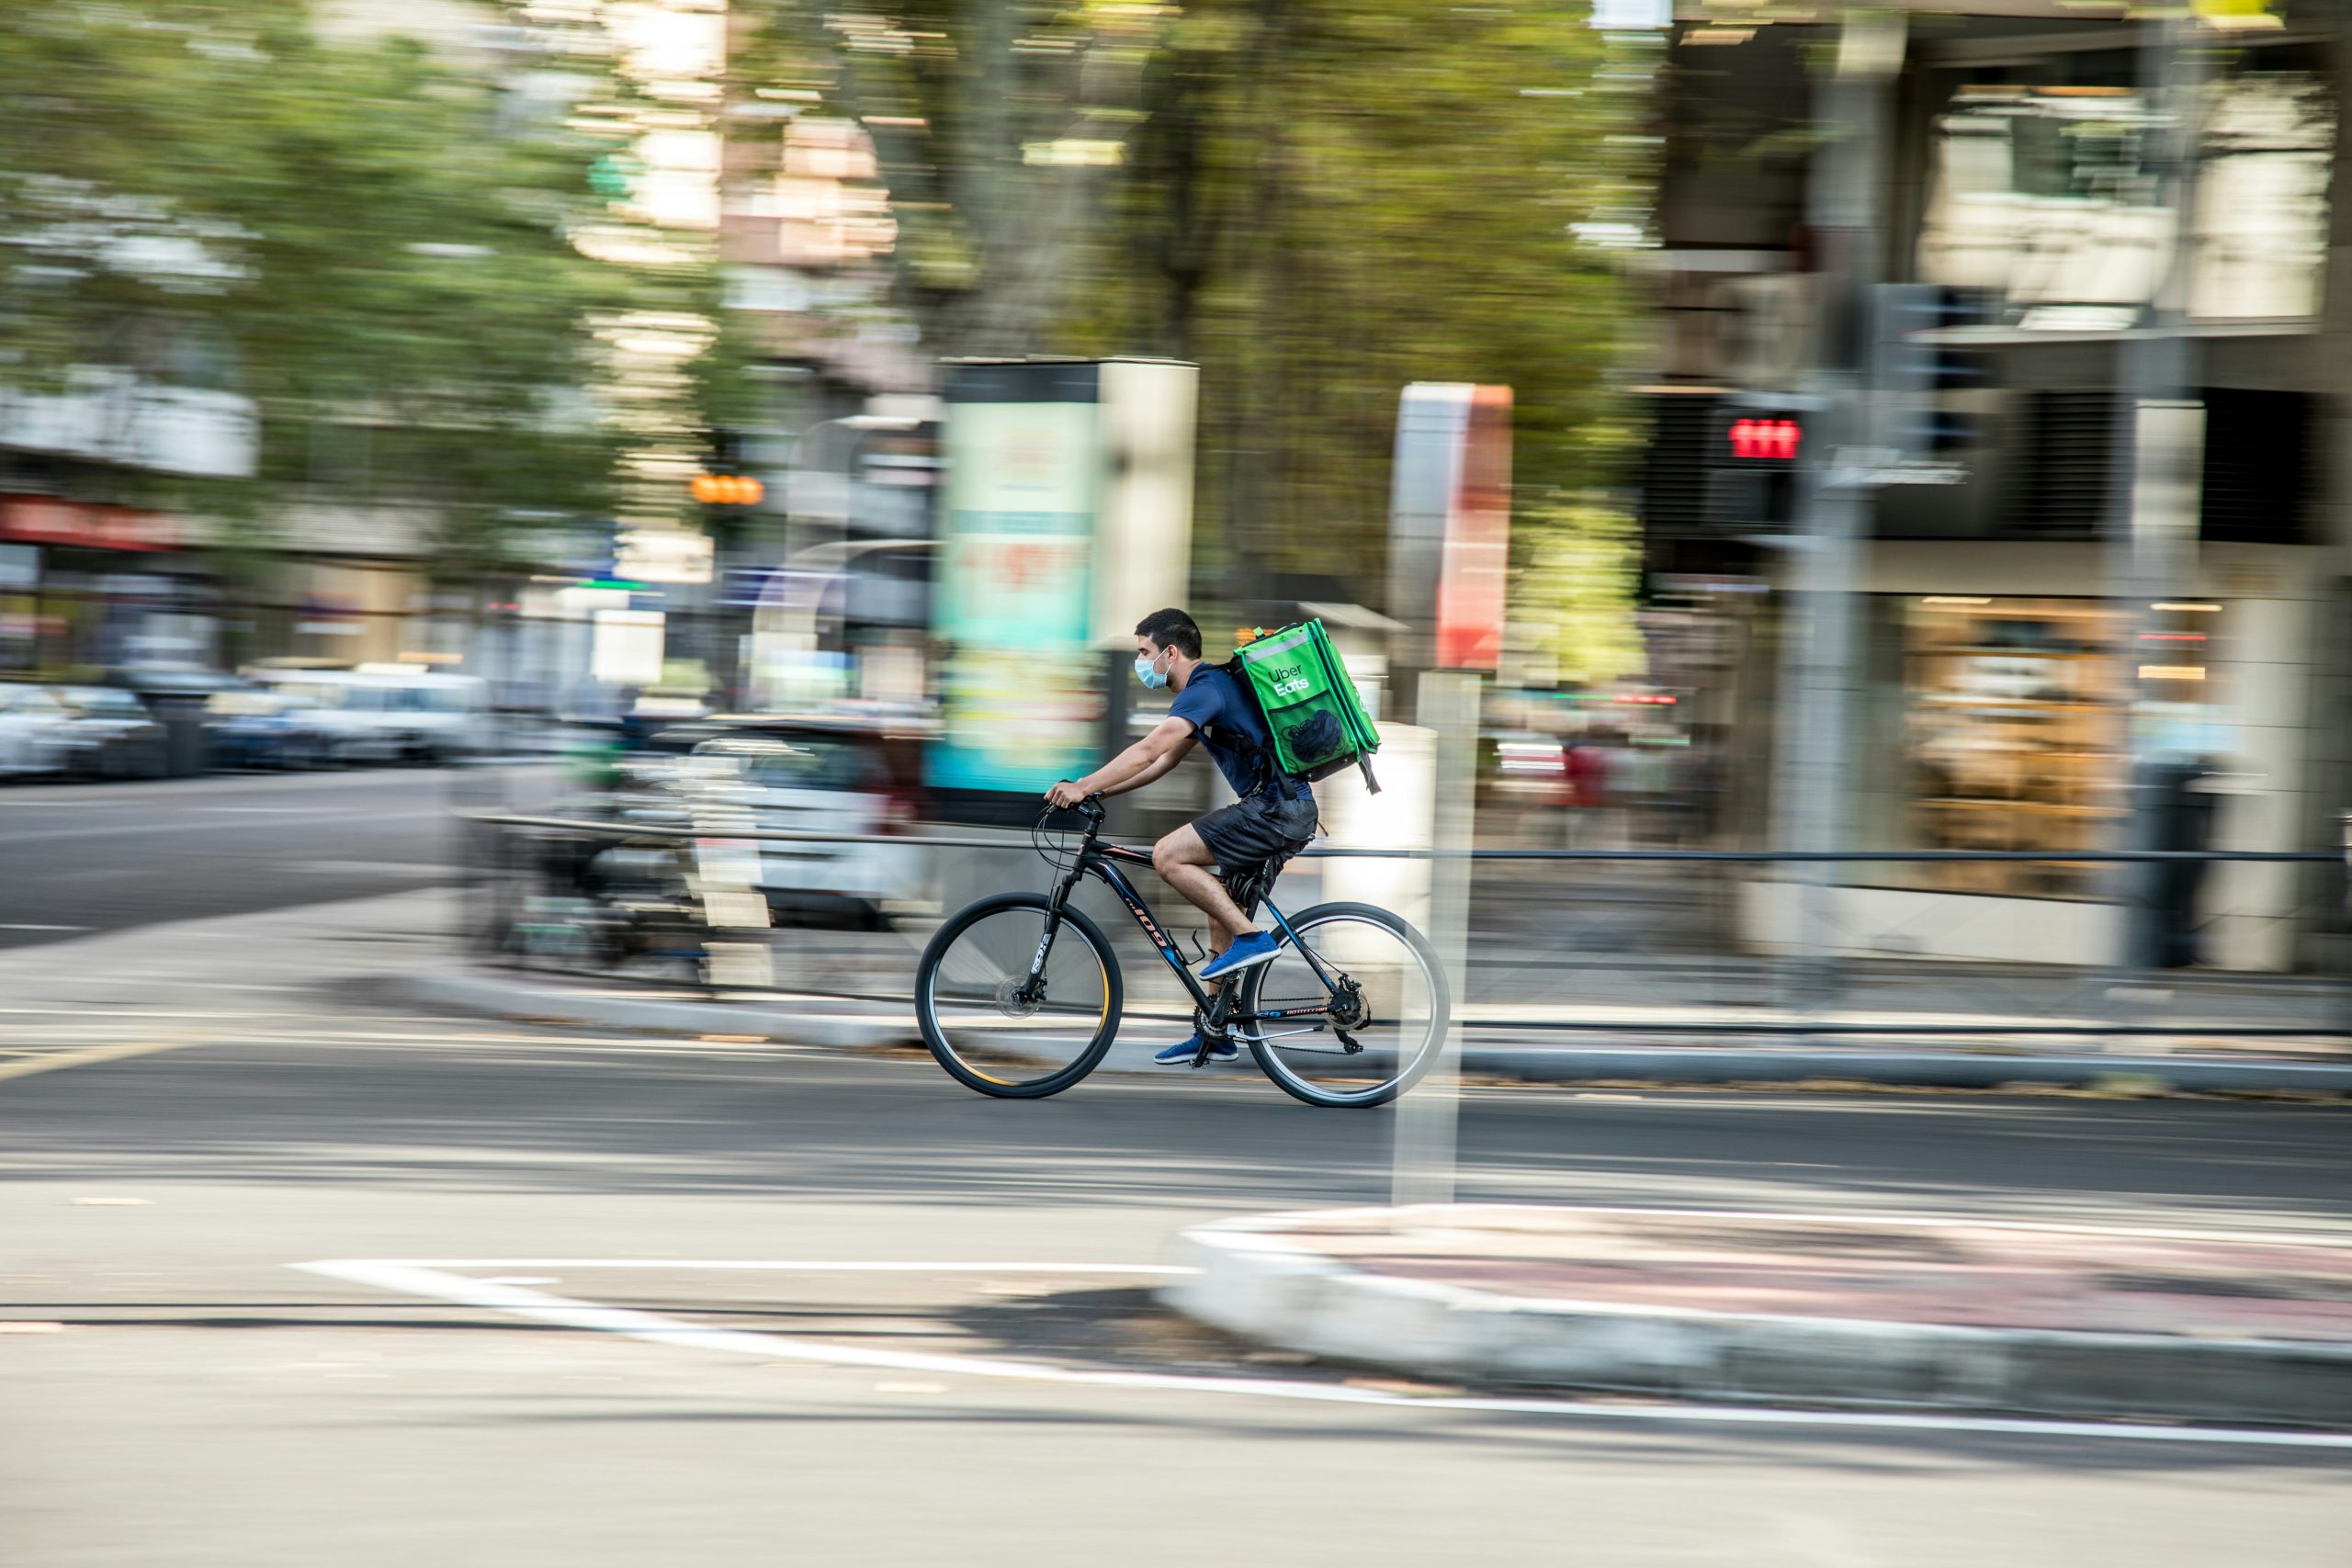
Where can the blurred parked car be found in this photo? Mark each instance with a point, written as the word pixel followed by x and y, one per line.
pixel 174 692
pixel 266 729
pixel 807 775
pixel 109 734
pixel 1526 762
pixel 33 729
pixel 390 712
pixel 158 683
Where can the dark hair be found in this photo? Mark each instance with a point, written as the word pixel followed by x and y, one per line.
pixel 1171 629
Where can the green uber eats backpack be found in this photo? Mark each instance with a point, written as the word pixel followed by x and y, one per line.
pixel 1309 701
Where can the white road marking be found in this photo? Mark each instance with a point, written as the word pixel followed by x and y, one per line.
pixel 57 1061
pixel 429 1278
pixel 139 1012
pixel 267 810
pixel 791 1265
pixel 37 926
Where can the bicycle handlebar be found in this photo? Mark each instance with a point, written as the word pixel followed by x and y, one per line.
pixel 1090 809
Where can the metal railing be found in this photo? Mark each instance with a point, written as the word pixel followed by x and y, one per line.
pixel 1610 952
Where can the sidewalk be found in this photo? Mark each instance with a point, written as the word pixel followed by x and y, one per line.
pixel 1492 1047
pixel 1941 1313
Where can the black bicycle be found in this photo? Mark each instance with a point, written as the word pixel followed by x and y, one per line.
pixel 1019 996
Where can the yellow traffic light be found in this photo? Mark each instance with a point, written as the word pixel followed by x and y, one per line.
pixel 727 489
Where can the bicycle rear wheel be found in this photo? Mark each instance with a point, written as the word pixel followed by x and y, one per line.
pixel 1391 1007
pixel 983 1024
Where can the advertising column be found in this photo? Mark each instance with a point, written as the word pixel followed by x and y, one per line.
pixel 1016 578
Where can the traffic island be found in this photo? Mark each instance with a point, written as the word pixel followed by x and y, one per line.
pixel 1849 1311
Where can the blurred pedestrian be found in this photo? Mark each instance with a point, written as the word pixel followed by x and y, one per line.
pixel 1587 771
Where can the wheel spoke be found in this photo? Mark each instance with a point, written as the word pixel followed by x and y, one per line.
pixel 981 1015
pixel 1389 998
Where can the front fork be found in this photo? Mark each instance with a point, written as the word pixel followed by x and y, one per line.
pixel 1032 989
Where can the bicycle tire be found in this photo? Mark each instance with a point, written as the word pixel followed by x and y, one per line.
pixel 1269 1061
pixel 926 997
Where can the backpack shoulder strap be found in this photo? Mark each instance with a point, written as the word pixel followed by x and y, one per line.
pixel 1240 738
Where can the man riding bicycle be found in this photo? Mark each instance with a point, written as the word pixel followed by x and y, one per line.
pixel 1248 841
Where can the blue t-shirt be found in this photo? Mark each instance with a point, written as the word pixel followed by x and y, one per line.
pixel 1228 722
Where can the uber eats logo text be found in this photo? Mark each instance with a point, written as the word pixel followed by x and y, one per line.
pixel 1290 681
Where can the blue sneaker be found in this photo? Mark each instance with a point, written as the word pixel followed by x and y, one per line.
pixel 1182 1056
pixel 1248 952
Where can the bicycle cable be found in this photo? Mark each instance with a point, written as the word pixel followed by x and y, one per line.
pixel 1043 839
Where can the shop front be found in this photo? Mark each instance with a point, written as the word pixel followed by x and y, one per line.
pixel 87 588
pixel 2003 705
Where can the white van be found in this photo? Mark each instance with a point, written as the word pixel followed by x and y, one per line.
pixel 390 712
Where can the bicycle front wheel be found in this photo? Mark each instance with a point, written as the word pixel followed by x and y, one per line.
pixel 1366 1004
pixel 989 1025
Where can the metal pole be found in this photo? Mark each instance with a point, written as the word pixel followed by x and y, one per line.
pixel 1447 703
pixel 2152 553
pixel 1835 494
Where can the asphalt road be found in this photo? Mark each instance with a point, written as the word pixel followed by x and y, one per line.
pixel 202 1400
pixel 91 858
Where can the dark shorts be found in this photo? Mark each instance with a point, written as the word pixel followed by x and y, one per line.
pixel 1255 838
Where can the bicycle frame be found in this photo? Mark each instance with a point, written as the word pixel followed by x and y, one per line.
pixel 1102 861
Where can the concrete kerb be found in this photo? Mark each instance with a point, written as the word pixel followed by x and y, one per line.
pixel 812 1021
pixel 854 1025
pixel 1249 1281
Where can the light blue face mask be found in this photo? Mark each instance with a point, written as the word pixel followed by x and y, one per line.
pixel 1152 679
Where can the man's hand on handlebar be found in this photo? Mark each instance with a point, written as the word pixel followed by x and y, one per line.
pixel 1066 796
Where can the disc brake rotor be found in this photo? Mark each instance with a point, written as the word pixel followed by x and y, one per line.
pixel 1010 1001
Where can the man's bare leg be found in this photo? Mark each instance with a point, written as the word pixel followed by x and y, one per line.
pixel 1184 862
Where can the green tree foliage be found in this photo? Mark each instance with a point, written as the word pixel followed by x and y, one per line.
pixel 1000 128
pixel 364 240
pixel 1317 200
pixel 1581 565
pixel 1359 197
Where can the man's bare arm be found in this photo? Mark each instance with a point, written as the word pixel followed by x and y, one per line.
pixel 1167 744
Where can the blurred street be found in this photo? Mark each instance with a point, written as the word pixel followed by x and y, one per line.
pixel 86 859
pixel 1350 781
pixel 199 1391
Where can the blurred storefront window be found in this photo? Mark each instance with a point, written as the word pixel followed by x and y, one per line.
pixel 2005 731
pixel 2041 188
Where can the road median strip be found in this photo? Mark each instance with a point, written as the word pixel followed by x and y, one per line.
pixel 1847 1310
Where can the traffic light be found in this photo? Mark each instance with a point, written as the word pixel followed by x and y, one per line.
pixel 1929 378
pixel 1751 463
pixel 1766 440
pixel 727 489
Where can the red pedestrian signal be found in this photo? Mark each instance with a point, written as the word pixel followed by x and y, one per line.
pixel 727 489
pixel 1767 439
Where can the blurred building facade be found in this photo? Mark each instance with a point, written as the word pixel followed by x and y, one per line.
pixel 89 574
pixel 339 567
pixel 2008 666
pixel 823 588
